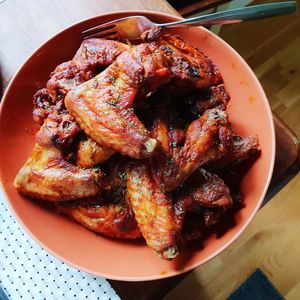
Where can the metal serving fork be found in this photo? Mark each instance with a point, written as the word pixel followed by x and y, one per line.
pixel 132 27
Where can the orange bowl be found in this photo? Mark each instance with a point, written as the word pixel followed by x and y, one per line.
pixel 249 113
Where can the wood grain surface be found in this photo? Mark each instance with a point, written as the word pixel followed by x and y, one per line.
pixel 25 25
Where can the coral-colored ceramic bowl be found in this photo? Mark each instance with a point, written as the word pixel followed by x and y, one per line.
pixel 249 114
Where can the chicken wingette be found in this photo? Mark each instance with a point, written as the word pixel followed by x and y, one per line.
pixel 189 66
pixel 153 210
pixel 92 56
pixel 47 175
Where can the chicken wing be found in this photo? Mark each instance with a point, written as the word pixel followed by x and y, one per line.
pixel 47 175
pixel 206 139
pixel 110 218
pixel 110 214
pixel 202 190
pixel 103 105
pixel 189 66
pixel 153 211
pixel 90 153
pixel 216 97
pixel 240 150
pixel 92 55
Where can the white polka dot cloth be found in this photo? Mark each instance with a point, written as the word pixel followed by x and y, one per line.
pixel 27 271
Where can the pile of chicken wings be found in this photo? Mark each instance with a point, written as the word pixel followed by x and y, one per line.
pixel 131 139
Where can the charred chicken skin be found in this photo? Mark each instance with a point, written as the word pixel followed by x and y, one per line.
pixel 189 66
pixel 241 149
pixel 216 97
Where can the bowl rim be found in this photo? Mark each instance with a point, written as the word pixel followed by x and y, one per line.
pixel 200 262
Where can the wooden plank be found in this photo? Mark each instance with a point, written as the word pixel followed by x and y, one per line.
pixel 25 25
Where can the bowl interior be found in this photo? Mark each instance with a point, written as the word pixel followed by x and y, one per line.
pixel 249 114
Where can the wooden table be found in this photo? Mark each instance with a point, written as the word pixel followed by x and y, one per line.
pixel 24 25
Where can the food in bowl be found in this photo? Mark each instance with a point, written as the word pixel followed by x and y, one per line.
pixel 132 141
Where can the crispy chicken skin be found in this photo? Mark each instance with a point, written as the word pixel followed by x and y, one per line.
pixel 110 218
pixel 59 131
pixel 103 105
pixel 47 175
pixel 44 104
pixel 92 55
pixel 153 211
pixel 90 153
pixel 189 66
pixel 109 214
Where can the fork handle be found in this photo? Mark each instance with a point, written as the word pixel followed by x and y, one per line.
pixel 237 15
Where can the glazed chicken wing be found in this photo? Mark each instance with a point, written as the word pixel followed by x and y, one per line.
pixel 189 66
pixel 202 190
pixel 206 139
pixel 110 218
pixel 241 149
pixel 47 175
pixel 153 211
pixel 103 105
pixel 109 214
pixel 92 55
pixel 216 97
